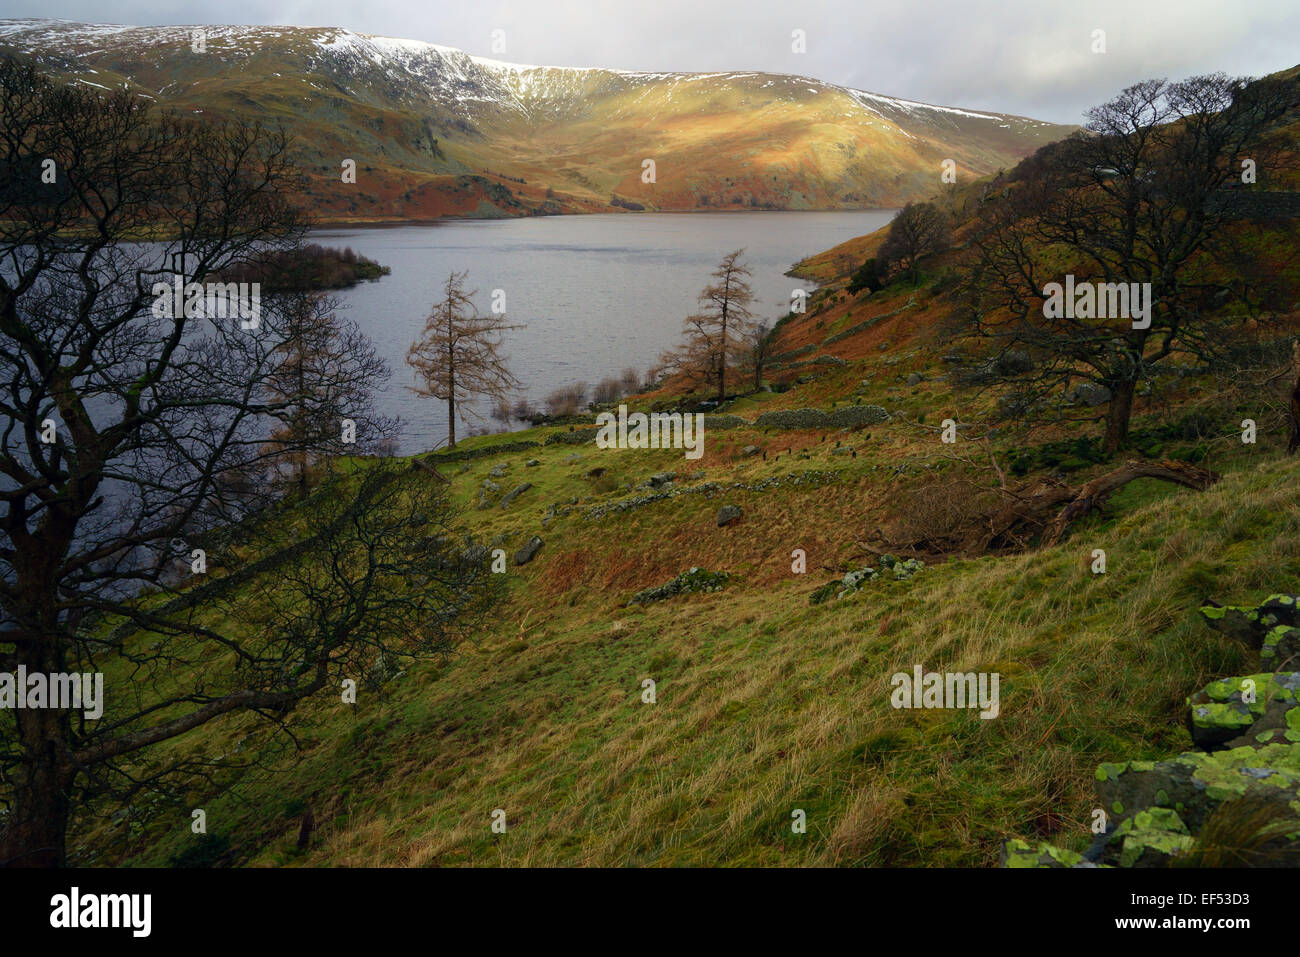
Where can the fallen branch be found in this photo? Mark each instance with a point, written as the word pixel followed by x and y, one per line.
pixel 1091 495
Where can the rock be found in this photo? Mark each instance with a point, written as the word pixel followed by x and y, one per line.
pixel 382 671
pixel 694 580
pixel 842 450
pixel 660 479
pixel 498 471
pixel 1252 625
pixel 728 514
pixel 1216 714
pixel 1151 838
pixel 1088 394
pixel 1195 783
pixel 1018 853
pixel 514 493
pixel 1281 644
pixel 490 486
pixel 575 457
pixel 528 551
pixel 750 450
pixel 532 463
pixel 850 416
pixel 915 378
pixel 906 569
pixel 474 554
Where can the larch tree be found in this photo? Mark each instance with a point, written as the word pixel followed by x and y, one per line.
pixel 323 387
pixel 720 335
pixel 458 356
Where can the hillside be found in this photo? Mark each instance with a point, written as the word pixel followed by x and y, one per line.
pixel 435 131
pixel 765 703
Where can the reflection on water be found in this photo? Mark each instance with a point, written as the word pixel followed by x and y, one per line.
pixel 597 293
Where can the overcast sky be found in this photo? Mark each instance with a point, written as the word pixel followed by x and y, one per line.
pixel 1031 57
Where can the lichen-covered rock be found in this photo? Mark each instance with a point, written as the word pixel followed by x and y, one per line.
pixel 1253 624
pixel 1194 783
pixel 1018 853
pixel 693 580
pixel 908 568
pixel 1151 838
pixel 1218 714
pixel 1281 646
pixel 1089 394
pixel 660 479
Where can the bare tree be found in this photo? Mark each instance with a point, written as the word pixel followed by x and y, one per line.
pixel 567 400
pixel 607 390
pixel 458 356
pixel 714 338
pixel 757 348
pixel 1136 199
pixel 128 427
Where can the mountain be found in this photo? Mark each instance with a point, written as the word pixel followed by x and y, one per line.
pixel 435 131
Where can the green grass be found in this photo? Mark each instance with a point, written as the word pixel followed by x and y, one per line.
pixel 764 704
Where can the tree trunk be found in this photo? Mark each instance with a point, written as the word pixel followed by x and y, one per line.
pixel 1293 423
pixel 36 831
pixel 1119 413
pixel 451 422
pixel 1093 493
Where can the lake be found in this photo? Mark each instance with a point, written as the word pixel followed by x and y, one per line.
pixel 596 294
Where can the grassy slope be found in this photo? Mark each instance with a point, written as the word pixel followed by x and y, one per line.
pixel 765 704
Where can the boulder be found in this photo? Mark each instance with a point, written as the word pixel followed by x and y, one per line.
pixel 529 551
pixel 1196 783
pixel 728 514
pixel 1088 394
pixel 750 450
pixel 1151 838
pixel 915 378
pixel 660 479
pixel 1019 853
pixel 514 493
pixel 1251 625
pixel 693 580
